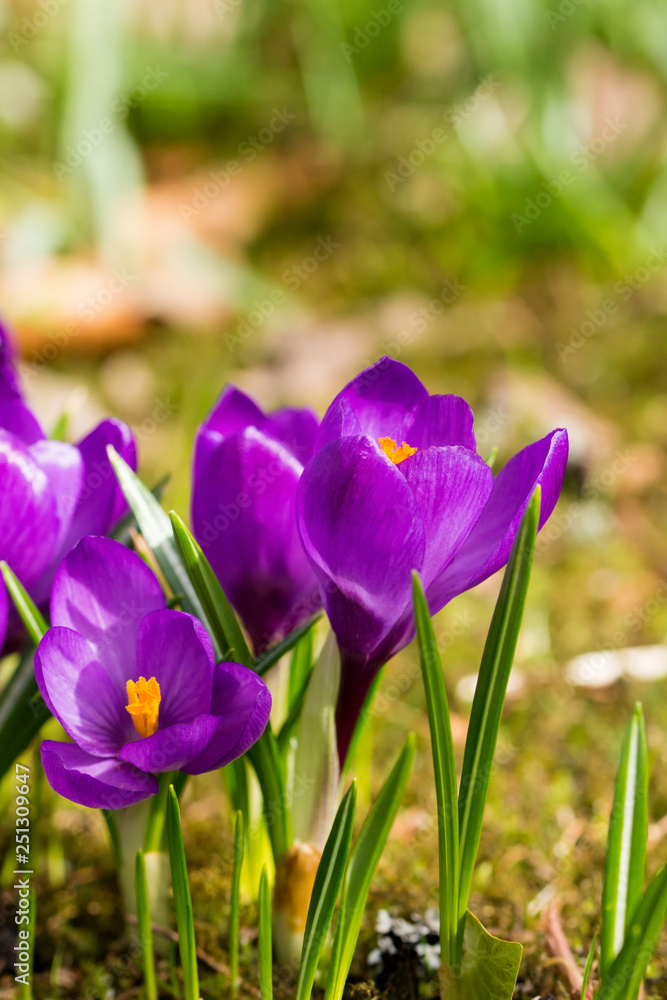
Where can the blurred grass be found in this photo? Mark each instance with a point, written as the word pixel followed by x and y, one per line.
pixel 418 139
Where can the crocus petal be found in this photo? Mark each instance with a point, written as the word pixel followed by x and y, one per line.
pixel 440 420
pixel 96 782
pixel 16 418
pixel 4 613
pixel 234 411
pixel 9 381
pixel 489 543
pixel 296 429
pixel 101 501
pixel 28 518
pixel 171 749
pixel 103 591
pixel 243 515
pixel 79 692
pixel 361 529
pixel 380 397
pixel 241 703
pixel 63 466
pixel 451 487
pixel 175 648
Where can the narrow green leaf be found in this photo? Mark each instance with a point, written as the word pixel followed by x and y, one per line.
pixel 288 728
pixel 222 621
pixel 487 706
pixel 328 879
pixel 271 657
pixel 122 529
pixel 145 929
pixel 155 526
pixel 301 666
pixel 22 712
pixel 182 900
pixel 316 764
pixel 361 866
pixel 444 766
pixel 624 978
pixel 31 616
pixel 625 863
pixel 264 938
pixel 61 427
pixel 589 966
pixel 114 836
pixel 235 901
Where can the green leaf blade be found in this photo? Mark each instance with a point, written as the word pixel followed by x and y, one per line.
pixel 444 766
pixel 145 929
pixel 155 526
pixel 625 863
pixel 328 880
pixel 489 697
pixel 222 621
pixel 31 616
pixel 235 901
pixel 623 979
pixel 363 861
pixel 264 938
pixel 182 899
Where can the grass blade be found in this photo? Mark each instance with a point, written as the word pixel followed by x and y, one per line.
pixel 624 978
pixel 271 657
pixel 445 773
pixel 145 929
pixel 301 665
pixel 230 643
pixel 235 902
pixel 328 879
pixel 489 698
pixel 223 624
pixel 361 866
pixel 22 712
pixel 587 970
pixel 31 616
pixel 264 938
pixel 156 528
pixel 625 863
pixel 182 900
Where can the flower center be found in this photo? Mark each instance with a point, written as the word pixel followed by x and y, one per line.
pixel 393 453
pixel 143 699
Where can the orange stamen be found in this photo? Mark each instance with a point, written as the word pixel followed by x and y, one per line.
pixel 143 699
pixel 393 453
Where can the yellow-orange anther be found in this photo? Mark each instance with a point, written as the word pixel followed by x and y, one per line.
pixel 393 453
pixel 143 699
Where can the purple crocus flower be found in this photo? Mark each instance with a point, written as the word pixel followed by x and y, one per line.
pixel 134 684
pixel 51 493
pixel 246 470
pixel 396 485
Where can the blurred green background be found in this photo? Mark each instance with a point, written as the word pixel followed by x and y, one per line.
pixel 197 191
